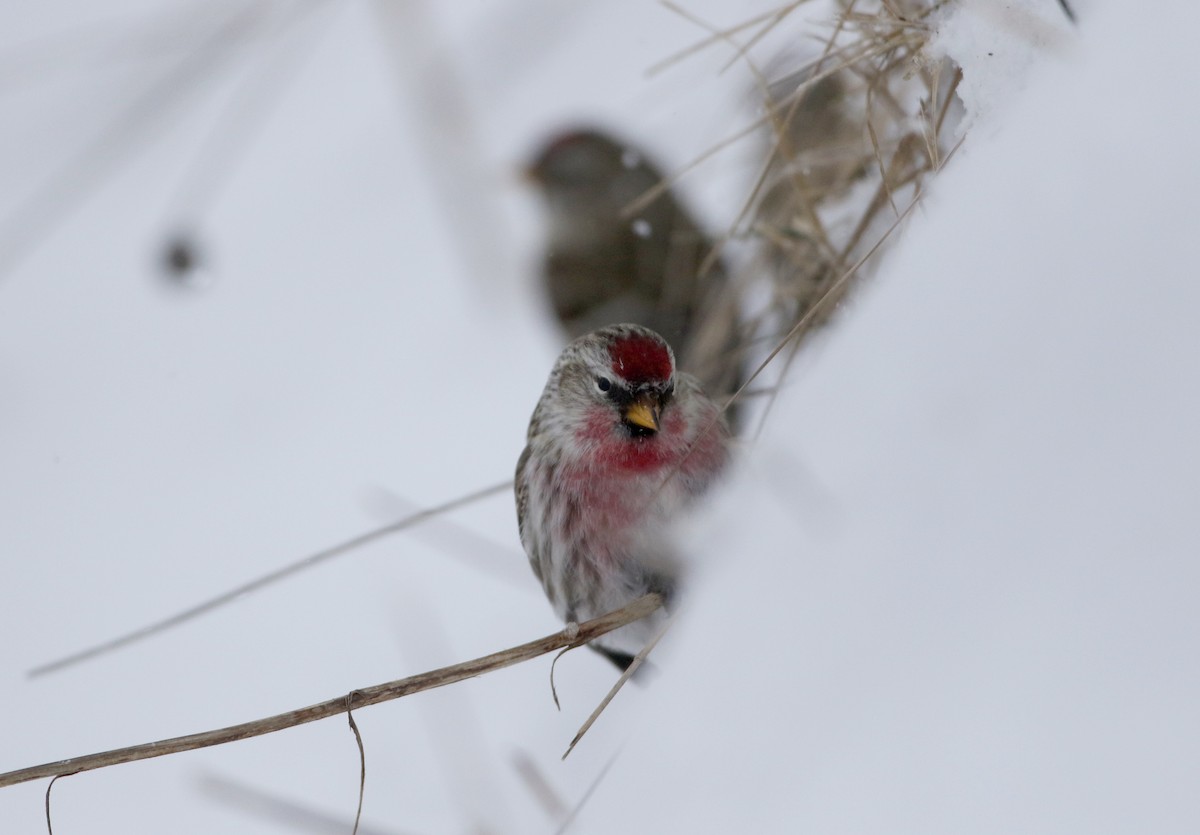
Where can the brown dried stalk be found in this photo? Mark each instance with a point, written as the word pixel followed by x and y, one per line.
pixel 356 699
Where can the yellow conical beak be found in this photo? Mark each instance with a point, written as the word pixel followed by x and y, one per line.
pixel 643 412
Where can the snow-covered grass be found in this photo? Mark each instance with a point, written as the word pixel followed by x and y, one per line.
pixel 953 589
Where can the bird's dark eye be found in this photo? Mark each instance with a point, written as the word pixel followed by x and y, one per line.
pixel 603 383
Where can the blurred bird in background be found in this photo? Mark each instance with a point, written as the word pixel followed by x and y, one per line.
pixel 849 146
pixel 817 150
pixel 614 253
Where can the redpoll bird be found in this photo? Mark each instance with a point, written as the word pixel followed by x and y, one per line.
pixel 654 266
pixel 620 444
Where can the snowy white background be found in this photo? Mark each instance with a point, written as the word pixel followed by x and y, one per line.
pixel 954 589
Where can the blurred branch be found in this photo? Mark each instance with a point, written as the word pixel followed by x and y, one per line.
pixel 447 128
pixel 286 814
pixel 83 172
pixel 265 580
pixel 245 113
pixel 365 697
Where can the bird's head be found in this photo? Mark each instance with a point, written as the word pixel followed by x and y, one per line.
pixel 580 159
pixel 588 181
pixel 616 380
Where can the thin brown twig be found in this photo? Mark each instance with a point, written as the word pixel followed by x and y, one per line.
pixel 761 33
pixel 362 759
pixel 674 58
pixel 727 34
pixel 783 150
pixel 50 826
pixel 620 682
pixel 878 154
pixel 553 665
pixel 365 697
pixel 651 194
pixel 882 192
pixel 717 250
pixel 829 292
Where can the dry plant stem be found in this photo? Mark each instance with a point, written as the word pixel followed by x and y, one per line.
pixel 362 760
pixel 620 682
pixel 761 33
pixel 726 35
pixel 50 826
pixel 364 697
pixel 882 194
pixel 718 249
pixel 806 320
pixel 651 194
pixel 783 147
pixel 675 58
pixel 265 580
pixel 553 689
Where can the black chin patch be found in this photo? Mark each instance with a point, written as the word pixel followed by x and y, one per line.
pixel 636 431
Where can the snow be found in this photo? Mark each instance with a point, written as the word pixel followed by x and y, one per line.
pixel 953 588
pixel 998 45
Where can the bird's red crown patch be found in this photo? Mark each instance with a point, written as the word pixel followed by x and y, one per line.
pixel 640 359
